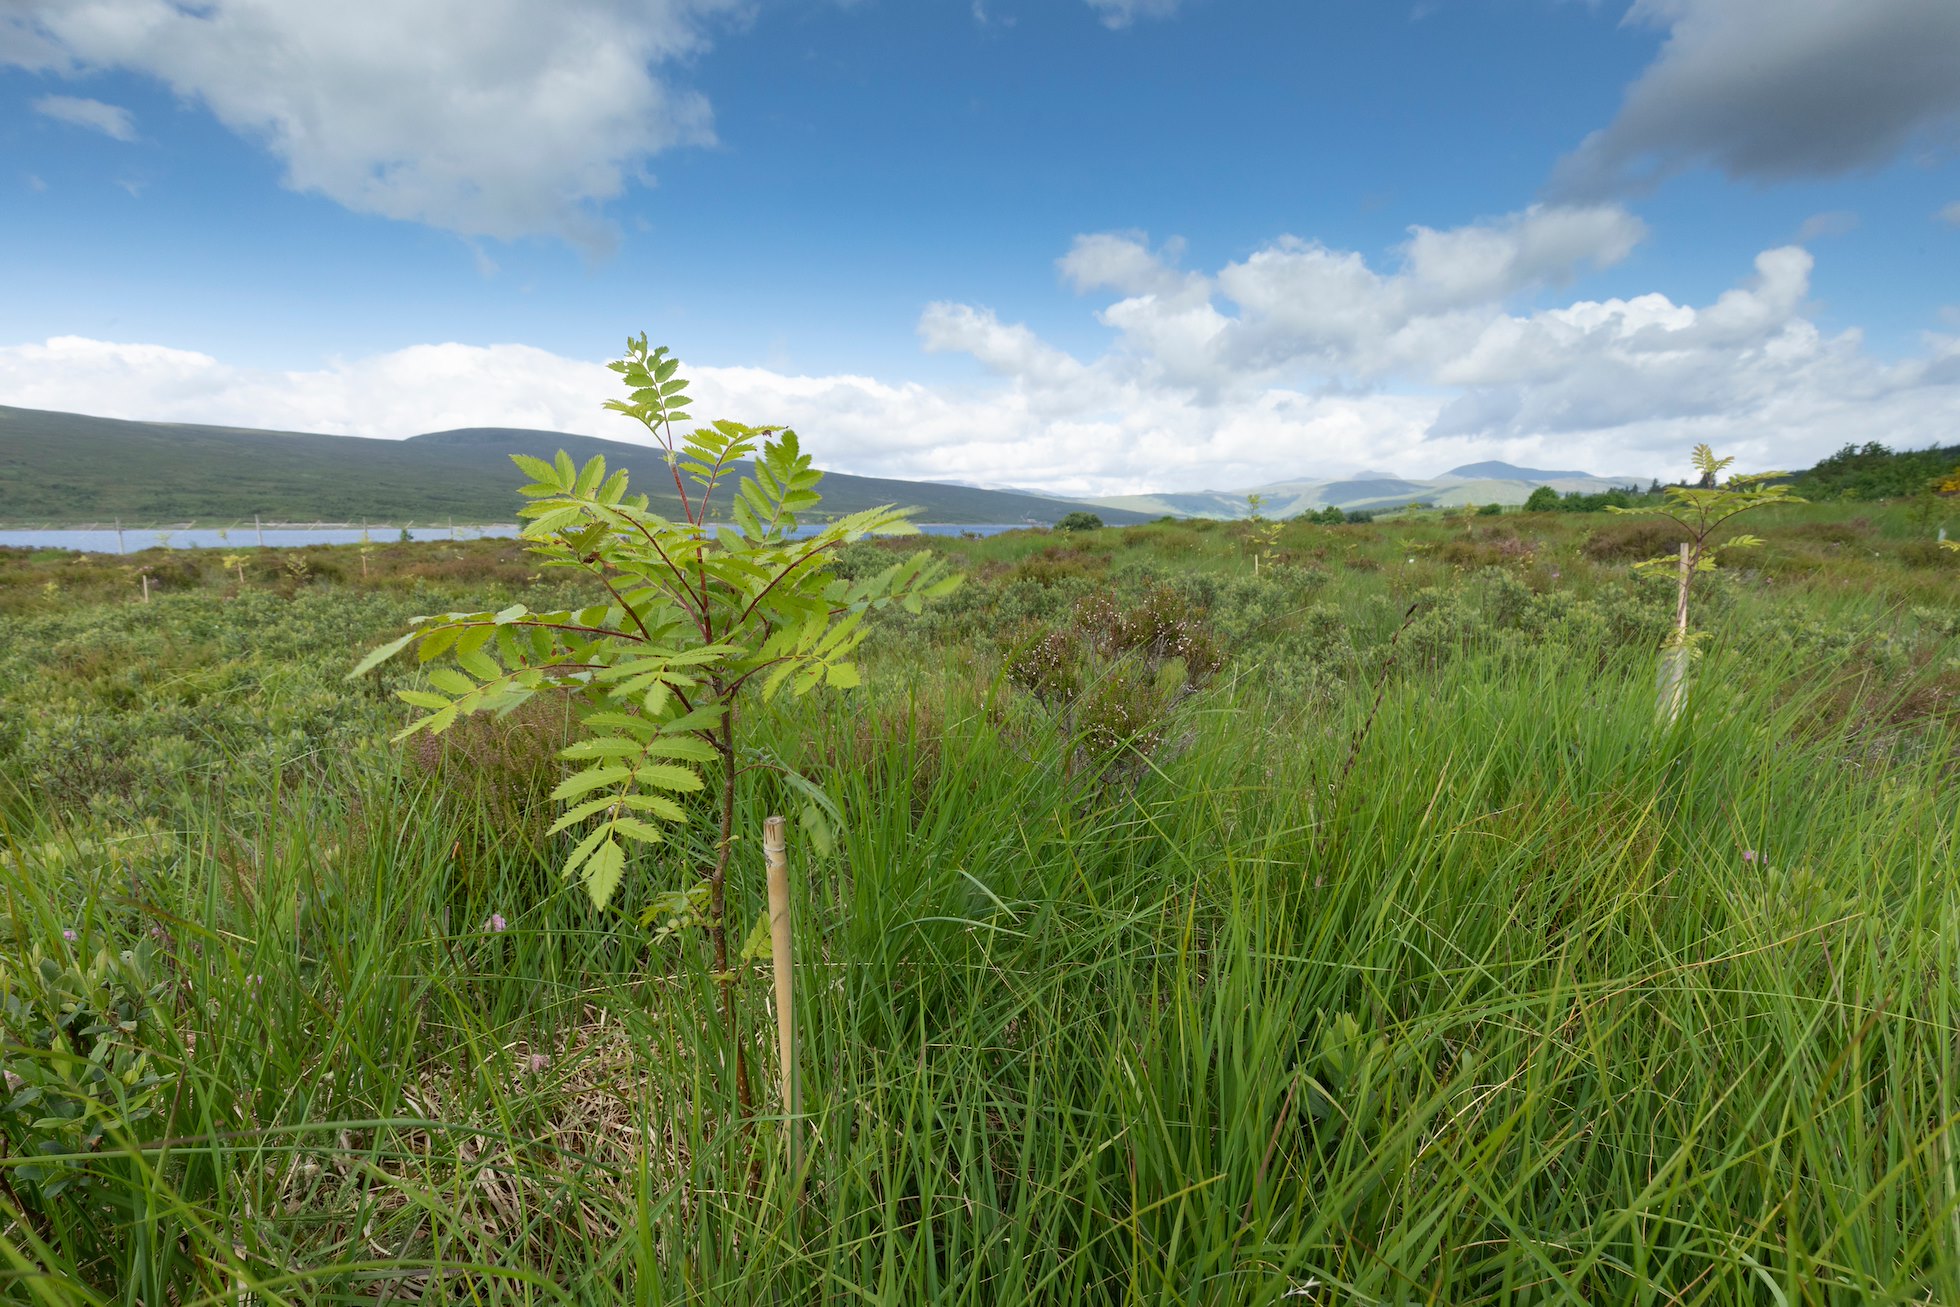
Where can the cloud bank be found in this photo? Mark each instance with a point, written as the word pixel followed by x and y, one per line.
pixel 1297 360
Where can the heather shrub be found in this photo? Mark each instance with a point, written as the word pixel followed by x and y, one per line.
pixel 495 774
pixel 1848 532
pixel 1632 541
pixel 1113 671
pixel 1487 549
pixel 1928 554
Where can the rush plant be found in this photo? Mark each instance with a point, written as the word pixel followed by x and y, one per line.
pixel 695 623
pixel 1700 511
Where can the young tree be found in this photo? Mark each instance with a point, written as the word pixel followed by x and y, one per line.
pixel 694 623
pixel 1264 532
pixel 1542 500
pixel 1700 511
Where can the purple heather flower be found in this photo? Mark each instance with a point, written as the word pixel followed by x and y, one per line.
pixel 496 923
pixel 70 936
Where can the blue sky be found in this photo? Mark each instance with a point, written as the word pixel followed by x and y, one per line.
pixel 1101 245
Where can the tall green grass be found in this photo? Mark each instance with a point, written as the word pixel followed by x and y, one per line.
pixel 1534 1004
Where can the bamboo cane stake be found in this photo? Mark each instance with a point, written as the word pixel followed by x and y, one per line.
pixel 774 851
pixel 1681 594
pixel 1674 661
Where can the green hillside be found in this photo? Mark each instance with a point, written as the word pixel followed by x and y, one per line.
pixel 66 468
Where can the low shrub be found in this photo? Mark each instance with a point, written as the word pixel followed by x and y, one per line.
pixel 1927 553
pixel 75 1035
pixel 1846 532
pixel 1630 542
pixel 1112 672
pixel 1488 549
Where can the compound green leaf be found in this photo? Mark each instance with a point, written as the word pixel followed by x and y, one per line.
pixel 603 871
pixel 376 657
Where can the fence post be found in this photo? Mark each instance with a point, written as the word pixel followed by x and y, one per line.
pixel 774 851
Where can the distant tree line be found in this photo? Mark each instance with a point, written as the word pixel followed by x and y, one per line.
pixel 1547 500
pixel 1872 471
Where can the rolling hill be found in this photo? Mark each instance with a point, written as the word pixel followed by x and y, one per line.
pixel 61 469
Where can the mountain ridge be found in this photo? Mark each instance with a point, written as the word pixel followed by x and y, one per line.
pixel 67 468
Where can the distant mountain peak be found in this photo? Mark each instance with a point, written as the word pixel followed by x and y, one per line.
pixel 1493 470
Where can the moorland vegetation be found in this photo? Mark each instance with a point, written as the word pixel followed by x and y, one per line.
pixel 1345 931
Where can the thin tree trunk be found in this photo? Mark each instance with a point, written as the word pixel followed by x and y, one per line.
pixel 782 962
pixel 718 911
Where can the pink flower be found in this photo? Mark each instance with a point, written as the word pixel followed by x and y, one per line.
pixel 496 923
pixel 70 936
pixel 1749 855
pixel 539 1062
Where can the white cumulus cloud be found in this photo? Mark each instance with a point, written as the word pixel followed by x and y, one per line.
pixel 110 120
pixel 492 118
